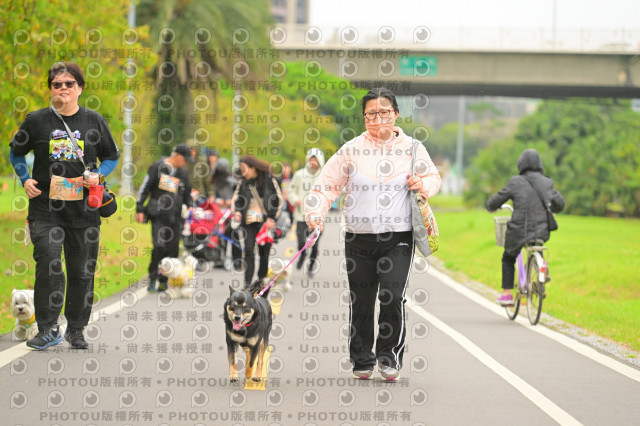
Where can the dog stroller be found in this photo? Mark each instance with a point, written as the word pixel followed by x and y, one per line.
pixel 204 234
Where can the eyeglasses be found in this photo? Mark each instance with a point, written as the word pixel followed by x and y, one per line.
pixel 385 113
pixel 59 84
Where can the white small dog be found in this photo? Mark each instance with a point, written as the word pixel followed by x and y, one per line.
pixel 284 280
pixel 23 310
pixel 181 275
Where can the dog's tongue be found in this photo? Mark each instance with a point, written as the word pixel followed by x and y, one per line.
pixel 237 325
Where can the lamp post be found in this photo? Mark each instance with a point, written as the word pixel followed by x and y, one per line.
pixel 126 184
pixel 236 127
pixel 460 144
pixel 554 23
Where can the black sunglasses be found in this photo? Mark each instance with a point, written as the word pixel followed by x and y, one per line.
pixel 59 84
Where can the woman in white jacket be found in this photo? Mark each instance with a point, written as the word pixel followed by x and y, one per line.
pixel 375 171
pixel 299 187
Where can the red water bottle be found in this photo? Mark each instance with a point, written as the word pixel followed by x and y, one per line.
pixel 95 195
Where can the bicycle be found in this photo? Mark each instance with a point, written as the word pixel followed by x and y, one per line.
pixel 530 281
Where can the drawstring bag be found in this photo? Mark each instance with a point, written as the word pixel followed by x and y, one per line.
pixel 425 227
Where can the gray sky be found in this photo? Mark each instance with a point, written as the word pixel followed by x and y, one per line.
pixel 590 14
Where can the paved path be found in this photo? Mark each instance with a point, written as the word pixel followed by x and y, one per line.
pixel 157 361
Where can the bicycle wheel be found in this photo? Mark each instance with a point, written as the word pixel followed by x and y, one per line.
pixel 512 311
pixel 535 292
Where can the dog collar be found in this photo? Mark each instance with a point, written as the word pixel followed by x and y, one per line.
pixel 247 325
pixel 30 321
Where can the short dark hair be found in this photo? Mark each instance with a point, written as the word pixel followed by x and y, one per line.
pixel 66 67
pixel 380 92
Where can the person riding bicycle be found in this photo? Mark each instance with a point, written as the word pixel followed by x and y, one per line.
pixel 529 219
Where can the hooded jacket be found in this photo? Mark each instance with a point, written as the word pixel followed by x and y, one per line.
pixel 529 219
pixel 302 182
pixel 373 175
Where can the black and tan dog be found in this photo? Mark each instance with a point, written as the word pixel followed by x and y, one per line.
pixel 248 323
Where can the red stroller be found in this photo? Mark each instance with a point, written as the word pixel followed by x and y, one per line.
pixel 204 234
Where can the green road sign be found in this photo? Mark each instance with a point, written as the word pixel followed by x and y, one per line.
pixel 418 66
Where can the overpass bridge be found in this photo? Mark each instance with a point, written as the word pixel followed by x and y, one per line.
pixel 538 63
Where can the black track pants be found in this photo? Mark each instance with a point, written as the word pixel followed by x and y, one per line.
pixel 378 265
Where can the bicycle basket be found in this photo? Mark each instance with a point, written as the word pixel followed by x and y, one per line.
pixel 501 228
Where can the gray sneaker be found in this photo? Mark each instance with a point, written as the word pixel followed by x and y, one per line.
pixel 75 337
pixel 388 373
pixel 363 374
pixel 46 338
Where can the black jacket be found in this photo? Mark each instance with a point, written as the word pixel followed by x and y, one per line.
pixel 164 205
pixel 269 191
pixel 529 219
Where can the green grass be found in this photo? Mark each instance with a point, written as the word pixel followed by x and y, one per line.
pixel 18 267
pixel 594 264
pixel 446 202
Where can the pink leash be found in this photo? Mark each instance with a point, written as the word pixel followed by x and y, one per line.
pixel 312 239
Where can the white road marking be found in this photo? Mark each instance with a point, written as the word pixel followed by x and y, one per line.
pixel 528 391
pixel 564 340
pixel 21 349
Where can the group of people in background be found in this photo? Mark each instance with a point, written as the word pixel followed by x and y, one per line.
pixel 257 196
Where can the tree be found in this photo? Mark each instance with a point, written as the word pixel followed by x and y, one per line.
pixel 35 34
pixel 477 136
pixel 588 147
pixel 324 98
pixel 199 43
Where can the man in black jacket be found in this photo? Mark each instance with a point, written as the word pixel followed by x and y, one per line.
pixel 529 219
pixel 168 187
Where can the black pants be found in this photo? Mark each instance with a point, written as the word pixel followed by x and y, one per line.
pixel 166 243
pixel 378 261
pixel 302 232
pixel 249 233
pixel 508 270
pixel 80 247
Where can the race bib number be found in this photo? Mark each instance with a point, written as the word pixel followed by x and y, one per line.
pixel 67 189
pixel 169 183
pixel 254 213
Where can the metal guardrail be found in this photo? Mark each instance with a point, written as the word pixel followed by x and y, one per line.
pixel 456 39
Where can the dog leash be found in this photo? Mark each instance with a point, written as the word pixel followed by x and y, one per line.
pixel 312 239
pixel 224 237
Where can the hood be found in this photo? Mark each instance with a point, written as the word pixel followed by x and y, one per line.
pixel 530 161
pixel 316 152
pixel 222 165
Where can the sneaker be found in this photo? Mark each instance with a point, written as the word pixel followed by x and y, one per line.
pixel 162 286
pixel 363 374
pixel 75 338
pixel 151 288
pixel 45 338
pixel 505 299
pixel 238 265
pixel 388 373
pixel 311 269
